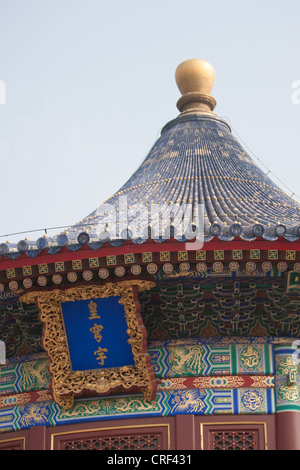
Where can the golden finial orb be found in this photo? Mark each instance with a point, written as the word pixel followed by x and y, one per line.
pixel 195 79
pixel 195 75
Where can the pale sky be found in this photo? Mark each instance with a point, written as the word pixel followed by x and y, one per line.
pixel 90 83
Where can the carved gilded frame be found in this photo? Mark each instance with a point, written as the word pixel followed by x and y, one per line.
pixel 67 384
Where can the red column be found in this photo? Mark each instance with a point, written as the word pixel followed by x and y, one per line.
pixel 37 438
pixel 185 432
pixel 288 430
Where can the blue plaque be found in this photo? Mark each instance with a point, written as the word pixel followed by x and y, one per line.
pixel 96 332
pixel 95 339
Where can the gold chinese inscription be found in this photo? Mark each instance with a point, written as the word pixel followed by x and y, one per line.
pixel 96 330
pixel 66 383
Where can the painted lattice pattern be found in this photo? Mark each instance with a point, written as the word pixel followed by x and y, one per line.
pixel 234 440
pixel 133 442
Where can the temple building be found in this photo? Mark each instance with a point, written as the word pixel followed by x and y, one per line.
pixel 167 319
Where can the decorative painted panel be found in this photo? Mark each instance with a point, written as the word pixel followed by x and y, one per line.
pixel 176 360
pixel 24 374
pixel 252 358
pixel 170 403
pixel 187 358
pixel 287 378
pixel 216 378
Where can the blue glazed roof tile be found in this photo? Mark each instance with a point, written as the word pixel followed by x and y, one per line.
pixel 197 160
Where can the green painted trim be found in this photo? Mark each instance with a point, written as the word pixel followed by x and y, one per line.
pixel 233 359
pixel 268 359
pixel 280 408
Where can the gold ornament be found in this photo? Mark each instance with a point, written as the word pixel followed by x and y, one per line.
pixel 67 384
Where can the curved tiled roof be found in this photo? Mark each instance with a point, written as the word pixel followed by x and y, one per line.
pixel 196 161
